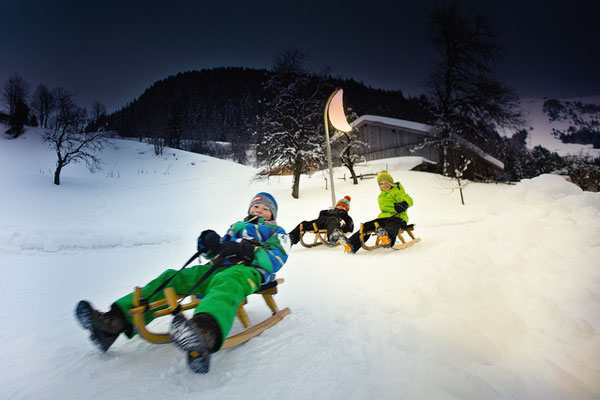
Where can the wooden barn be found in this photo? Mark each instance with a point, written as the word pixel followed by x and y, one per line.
pixel 390 137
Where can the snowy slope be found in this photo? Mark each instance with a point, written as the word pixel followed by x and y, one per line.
pixel 500 300
pixel 539 126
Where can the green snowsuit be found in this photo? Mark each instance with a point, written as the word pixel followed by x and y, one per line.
pixel 387 199
pixel 389 219
pixel 227 287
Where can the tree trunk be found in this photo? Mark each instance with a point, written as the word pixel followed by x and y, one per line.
pixel 462 199
pixel 57 174
pixel 354 177
pixel 296 184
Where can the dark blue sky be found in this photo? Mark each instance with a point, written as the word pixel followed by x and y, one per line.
pixel 112 50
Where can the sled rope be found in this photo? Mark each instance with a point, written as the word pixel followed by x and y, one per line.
pixel 202 279
pixel 144 300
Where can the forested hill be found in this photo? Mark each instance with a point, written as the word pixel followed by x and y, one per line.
pixel 215 104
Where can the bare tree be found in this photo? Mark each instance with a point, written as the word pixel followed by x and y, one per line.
pixel 98 112
pixel 68 137
pixel 466 98
pixel 42 103
pixel 15 94
pixel 351 152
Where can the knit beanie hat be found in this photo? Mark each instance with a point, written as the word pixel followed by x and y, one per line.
pixel 384 176
pixel 344 202
pixel 266 199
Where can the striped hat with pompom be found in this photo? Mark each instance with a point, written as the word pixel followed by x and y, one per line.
pixel 344 202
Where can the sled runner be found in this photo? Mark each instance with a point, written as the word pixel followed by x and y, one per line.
pixel 365 235
pixel 320 236
pixel 170 305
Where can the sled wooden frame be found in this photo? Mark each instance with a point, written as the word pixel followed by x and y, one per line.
pixel 364 237
pixel 170 302
pixel 320 236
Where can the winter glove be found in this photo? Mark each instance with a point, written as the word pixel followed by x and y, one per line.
pixel 235 251
pixel 208 241
pixel 400 207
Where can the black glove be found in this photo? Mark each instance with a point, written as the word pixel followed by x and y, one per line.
pixel 400 207
pixel 208 241
pixel 235 251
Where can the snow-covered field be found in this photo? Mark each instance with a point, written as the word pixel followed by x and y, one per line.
pixel 500 300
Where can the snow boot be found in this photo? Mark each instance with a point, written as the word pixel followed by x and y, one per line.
pixel 294 237
pixel 198 337
pixel 383 237
pixel 350 247
pixel 337 237
pixel 104 327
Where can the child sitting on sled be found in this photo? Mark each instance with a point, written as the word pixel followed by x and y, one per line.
pixel 393 203
pixel 249 254
pixel 336 220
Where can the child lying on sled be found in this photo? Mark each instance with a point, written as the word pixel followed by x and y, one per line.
pixel 393 203
pixel 249 255
pixel 336 220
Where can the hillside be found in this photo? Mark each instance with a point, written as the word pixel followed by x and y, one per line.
pixel 542 125
pixel 220 103
pixel 500 299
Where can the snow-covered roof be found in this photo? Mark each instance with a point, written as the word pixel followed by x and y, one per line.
pixel 478 151
pixel 417 126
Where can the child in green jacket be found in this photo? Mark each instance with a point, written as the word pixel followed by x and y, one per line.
pixel 249 255
pixel 393 203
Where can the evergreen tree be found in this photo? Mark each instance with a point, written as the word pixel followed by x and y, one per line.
pixel 174 128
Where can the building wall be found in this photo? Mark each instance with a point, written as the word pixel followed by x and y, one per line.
pixel 389 142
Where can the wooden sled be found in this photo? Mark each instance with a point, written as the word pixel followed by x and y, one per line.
pixel 170 303
pixel 364 237
pixel 320 236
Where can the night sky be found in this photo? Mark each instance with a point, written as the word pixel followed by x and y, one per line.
pixel 111 51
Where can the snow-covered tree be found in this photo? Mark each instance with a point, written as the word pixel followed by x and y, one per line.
pixel 584 171
pixel 291 131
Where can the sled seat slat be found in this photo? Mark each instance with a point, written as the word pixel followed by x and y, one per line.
pixel 319 238
pixel 365 235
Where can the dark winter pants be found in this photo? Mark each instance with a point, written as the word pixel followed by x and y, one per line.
pixel 223 291
pixel 329 223
pixel 391 225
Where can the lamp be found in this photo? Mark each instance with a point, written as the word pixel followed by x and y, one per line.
pixel 334 113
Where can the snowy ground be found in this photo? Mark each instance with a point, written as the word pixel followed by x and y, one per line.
pixel 500 300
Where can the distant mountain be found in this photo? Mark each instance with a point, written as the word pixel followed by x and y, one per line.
pixel 565 126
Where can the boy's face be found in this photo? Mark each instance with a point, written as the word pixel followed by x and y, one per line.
pixel 340 207
pixel 385 185
pixel 261 210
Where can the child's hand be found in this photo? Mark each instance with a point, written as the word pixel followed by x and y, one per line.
pixel 400 207
pixel 208 241
pixel 242 251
